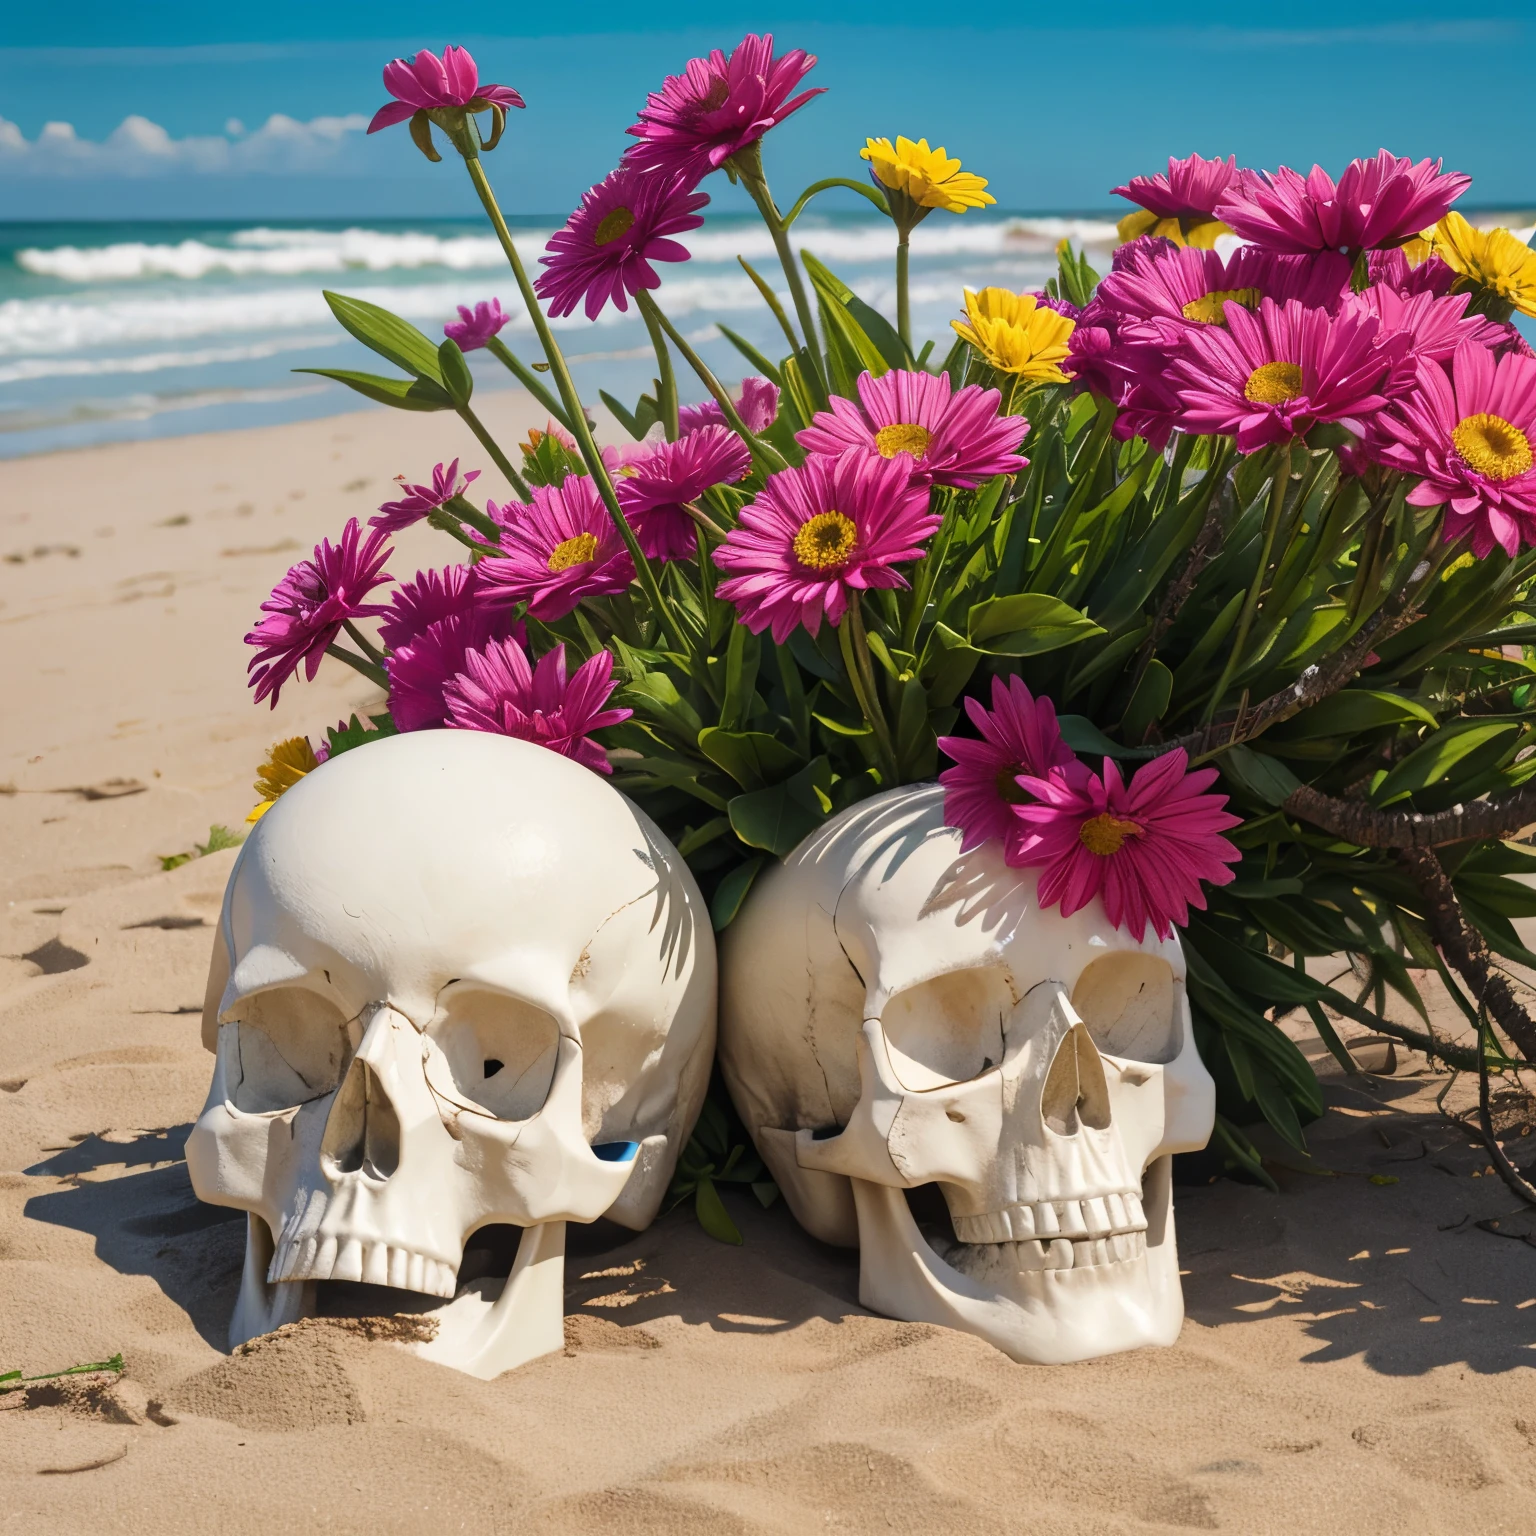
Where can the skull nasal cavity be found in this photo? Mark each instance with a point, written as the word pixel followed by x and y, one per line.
pixel 363 1131
pixel 1075 1092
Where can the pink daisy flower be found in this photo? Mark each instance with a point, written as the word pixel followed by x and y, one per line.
pixel 817 534
pixel 1470 436
pixel 1160 294
pixel 653 486
pixel 421 499
pixel 1434 326
pixel 558 549
pixel 310 604
pixel 757 405
pixel 421 671
pixel 952 438
pixel 497 690
pixel 1392 269
pixel 1268 377
pixel 1190 190
pixel 1144 847
pixel 607 246
pixel 718 106
pixel 1377 202
pixel 1018 735
pixel 476 326
pixel 427 82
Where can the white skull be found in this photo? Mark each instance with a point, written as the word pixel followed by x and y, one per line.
pixel 894 1015
pixel 461 981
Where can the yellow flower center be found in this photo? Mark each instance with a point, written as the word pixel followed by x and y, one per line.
pixel 825 543
pixel 903 437
pixel 582 550
pixel 1274 384
pixel 616 222
pixel 1492 446
pixel 1104 834
pixel 1208 309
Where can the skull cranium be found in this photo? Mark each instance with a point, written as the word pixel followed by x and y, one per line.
pixel 460 982
pixel 895 1015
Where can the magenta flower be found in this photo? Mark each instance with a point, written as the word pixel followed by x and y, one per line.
pixel 654 485
pixel 558 549
pixel 1377 202
pixel 757 405
pixel 1158 296
pixel 1143 847
pixel 310 604
pixel 428 83
pixel 1435 326
pixel 498 691
pixel 1065 307
pixel 717 107
pixel 1391 268
pixel 1269 377
pixel 820 533
pixel 951 438
pixel 476 326
pixel 1189 192
pixel 421 499
pixel 1018 735
pixel 606 247
pixel 1470 435
pixel 434 620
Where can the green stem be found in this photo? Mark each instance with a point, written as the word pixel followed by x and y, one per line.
pixel 903 303
pixel 503 463
pixel 1278 489
pixel 528 379
pixel 445 522
pixel 765 455
pixel 854 644
pixel 756 183
pixel 817 188
pixel 666 384
pixel 578 417
pixel 364 644
pixel 374 674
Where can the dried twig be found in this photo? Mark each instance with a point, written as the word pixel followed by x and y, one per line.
pixel 1362 824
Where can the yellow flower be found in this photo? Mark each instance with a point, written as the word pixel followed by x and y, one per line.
pixel 1200 237
pixel 1015 335
pixel 286 764
pixel 1491 259
pixel 928 177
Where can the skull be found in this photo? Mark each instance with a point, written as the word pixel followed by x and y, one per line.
pixel 460 981
pixel 894 1014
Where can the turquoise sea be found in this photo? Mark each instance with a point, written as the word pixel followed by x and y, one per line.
pixel 129 330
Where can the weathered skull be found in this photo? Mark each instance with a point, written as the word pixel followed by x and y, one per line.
pixel 461 982
pixel 894 1015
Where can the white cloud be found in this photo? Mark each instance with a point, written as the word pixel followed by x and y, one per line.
pixel 139 147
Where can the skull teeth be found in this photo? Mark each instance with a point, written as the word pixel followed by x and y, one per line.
pixel 350 1258
pixel 1047 1222
pixel 1058 1253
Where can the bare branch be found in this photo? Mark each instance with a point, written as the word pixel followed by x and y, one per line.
pixel 1362 824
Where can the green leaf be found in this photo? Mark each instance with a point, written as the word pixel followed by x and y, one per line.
pixel 394 339
pixel 731 892
pixel 753 758
pixel 1082 735
pixel 757 359
pixel 779 818
pixel 742 657
pixel 457 379
pixel 403 394
pixel 947 664
pixel 1148 702
pixel 1353 710
pixel 1257 775
pixel 1434 761
pixel 1027 624
pixel 354 733
pixel 710 1210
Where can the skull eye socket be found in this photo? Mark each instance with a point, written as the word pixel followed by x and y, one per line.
pixel 499 1052
pixel 1129 1003
pixel 292 1044
pixel 947 1029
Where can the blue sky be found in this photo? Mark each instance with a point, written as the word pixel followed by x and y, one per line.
pixel 246 111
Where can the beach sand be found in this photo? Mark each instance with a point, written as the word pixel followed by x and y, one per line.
pixel 1357 1355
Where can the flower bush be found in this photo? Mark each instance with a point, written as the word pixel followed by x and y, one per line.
pixel 1202 586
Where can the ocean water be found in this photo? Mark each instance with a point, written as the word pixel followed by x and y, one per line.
pixel 112 331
